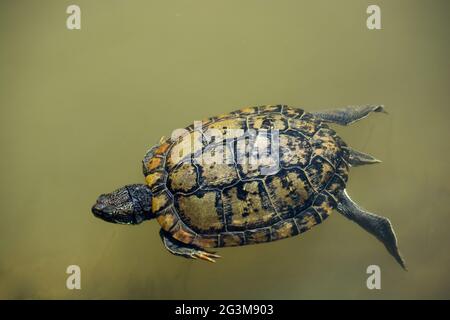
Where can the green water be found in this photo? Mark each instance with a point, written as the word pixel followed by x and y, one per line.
pixel 78 110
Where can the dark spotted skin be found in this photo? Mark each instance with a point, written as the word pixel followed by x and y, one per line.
pixel 215 204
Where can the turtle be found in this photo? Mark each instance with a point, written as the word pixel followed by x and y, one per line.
pixel 255 175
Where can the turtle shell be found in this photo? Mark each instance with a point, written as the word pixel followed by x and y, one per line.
pixel 211 189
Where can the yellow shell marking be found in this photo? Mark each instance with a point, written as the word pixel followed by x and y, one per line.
pixel 159 201
pixel 276 122
pixel 162 148
pixel 258 236
pixel 183 178
pixel 302 126
pixel 324 209
pixel 218 167
pixel 283 231
pixel 294 195
pixel 308 222
pixel 181 234
pixel 249 211
pixel 259 160
pixel 204 242
pixel 248 110
pixel 224 127
pixel 154 163
pixel 293 152
pixel 188 145
pixel 153 178
pixel 167 219
pixel 201 211
pixel 230 240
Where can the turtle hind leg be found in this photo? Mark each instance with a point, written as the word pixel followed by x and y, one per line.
pixel 347 115
pixel 378 226
pixel 357 158
pixel 179 248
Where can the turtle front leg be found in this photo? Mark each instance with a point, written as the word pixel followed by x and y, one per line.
pixel 179 248
pixel 347 115
pixel 379 226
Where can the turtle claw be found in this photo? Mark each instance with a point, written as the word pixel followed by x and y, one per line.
pixel 204 255
pixel 186 250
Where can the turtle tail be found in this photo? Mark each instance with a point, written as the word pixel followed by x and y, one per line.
pixel 357 158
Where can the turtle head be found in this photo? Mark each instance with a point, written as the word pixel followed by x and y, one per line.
pixel 130 204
